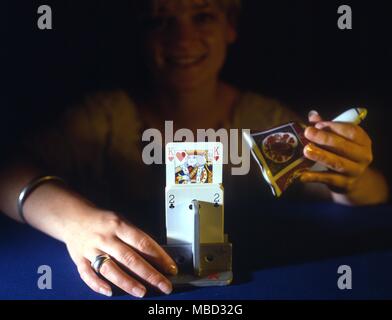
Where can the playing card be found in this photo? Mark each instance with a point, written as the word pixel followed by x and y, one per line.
pixel 279 153
pixel 179 224
pixel 195 211
pixel 208 229
pixel 281 147
pixel 194 163
pixel 211 222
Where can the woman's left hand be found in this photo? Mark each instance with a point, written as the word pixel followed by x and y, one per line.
pixel 344 148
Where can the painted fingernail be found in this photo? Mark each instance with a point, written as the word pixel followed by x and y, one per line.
pixel 303 177
pixel 309 148
pixel 172 269
pixel 106 292
pixel 165 287
pixel 139 292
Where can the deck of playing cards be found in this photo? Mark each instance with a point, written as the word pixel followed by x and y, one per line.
pixel 194 214
pixel 279 154
pixel 279 151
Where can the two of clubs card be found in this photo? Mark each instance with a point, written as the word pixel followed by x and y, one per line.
pixel 195 214
pixel 193 172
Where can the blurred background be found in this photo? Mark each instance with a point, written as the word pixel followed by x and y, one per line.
pixel 289 50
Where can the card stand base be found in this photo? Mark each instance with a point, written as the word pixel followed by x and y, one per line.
pixel 215 265
pixel 217 279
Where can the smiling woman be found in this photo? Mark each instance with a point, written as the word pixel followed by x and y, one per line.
pixel 185 41
pixel 97 148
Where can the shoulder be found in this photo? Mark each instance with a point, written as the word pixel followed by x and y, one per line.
pixel 255 111
pixel 86 132
pixel 102 105
pixel 98 112
pixel 92 122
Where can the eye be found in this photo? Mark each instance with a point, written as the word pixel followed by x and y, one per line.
pixel 204 17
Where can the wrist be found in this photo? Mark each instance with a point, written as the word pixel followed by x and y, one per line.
pixel 55 210
pixel 82 220
pixel 369 189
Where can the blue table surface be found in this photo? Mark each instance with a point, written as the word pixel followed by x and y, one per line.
pixel 292 252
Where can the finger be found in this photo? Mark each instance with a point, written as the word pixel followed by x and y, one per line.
pixel 332 161
pixel 135 263
pixel 338 144
pixel 142 242
pixel 333 180
pixel 314 116
pixel 111 271
pixel 347 130
pixel 89 276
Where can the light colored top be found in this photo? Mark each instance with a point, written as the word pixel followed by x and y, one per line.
pixel 97 147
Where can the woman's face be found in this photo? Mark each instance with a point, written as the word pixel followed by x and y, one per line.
pixel 186 42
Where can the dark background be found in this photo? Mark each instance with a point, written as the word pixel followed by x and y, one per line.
pixel 290 50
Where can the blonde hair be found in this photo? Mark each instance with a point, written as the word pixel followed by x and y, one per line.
pixel 232 8
pixel 229 5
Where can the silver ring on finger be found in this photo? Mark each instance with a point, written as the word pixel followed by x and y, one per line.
pixel 98 262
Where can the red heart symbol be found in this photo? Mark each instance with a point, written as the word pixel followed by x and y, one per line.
pixel 216 158
pixel 180 155
pixel 213 276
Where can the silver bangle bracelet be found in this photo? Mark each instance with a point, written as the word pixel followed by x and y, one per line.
pixel 26 191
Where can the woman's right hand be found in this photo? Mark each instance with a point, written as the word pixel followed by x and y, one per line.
pixel 101 232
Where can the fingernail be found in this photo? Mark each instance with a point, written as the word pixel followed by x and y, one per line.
pixel 106 292
pixel 313 113
pixel 303 177
pixel 139 292
pixel 165 287
pixel 309 148
pixel 172 269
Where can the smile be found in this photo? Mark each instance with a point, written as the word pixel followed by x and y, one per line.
pixel 185 62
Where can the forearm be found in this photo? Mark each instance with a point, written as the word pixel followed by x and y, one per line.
pixel 50 208
pixel 370 189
